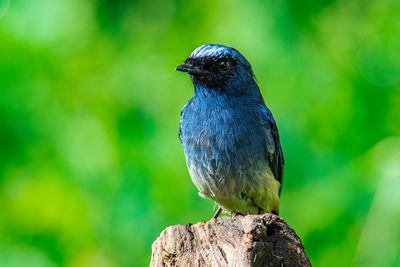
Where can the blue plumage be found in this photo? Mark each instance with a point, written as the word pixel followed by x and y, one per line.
pixel 229 136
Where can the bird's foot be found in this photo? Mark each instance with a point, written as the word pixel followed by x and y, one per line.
pixel 235 213
pixel 217 213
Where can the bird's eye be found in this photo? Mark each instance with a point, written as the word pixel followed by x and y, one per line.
pixel 224 65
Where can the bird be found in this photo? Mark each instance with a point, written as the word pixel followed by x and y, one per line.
pixel 229 137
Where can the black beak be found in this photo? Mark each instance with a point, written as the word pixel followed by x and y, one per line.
pixel 189 69
pixel 183 68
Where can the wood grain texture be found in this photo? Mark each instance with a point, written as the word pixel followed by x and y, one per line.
pixel 252 240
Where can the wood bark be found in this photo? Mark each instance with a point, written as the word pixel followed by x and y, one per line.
pixel 251 240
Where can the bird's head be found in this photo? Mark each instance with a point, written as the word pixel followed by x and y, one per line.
pixel 221 68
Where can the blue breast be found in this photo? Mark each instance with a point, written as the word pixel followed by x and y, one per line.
pixel 223 139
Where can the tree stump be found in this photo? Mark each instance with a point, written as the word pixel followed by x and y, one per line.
pixel 251 240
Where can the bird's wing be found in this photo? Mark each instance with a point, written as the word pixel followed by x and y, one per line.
pixel 273 145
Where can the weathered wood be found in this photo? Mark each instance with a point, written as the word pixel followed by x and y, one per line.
pixel 252 240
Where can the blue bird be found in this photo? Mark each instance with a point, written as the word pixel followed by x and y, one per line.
pixel 229 136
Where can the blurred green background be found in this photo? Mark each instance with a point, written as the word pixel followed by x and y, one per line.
pixel 91 168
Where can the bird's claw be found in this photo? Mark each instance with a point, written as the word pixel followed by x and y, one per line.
pixel 217 213
pixel 235 213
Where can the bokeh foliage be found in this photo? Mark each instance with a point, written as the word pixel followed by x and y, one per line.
pixel 91 168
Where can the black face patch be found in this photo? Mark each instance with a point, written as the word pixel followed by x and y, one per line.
pixel 214 71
